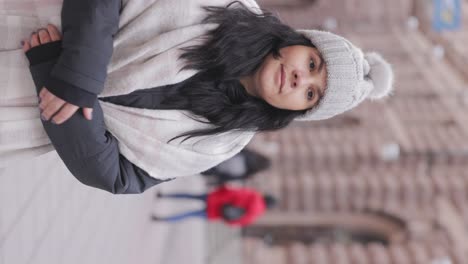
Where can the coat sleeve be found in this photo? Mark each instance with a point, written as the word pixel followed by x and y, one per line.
pixel 88 28
pixel 89 151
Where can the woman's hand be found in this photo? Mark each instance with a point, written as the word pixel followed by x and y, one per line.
pixel 50 105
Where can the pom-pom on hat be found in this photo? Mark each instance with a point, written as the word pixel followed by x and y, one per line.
pixel 352 75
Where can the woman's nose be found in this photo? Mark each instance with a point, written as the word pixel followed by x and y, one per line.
pixel 300 79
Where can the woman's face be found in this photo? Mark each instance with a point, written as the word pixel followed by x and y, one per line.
pixel 294 81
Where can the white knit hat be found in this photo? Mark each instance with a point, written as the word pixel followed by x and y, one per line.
pixel 352 75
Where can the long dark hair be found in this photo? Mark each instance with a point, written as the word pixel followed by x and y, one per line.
pixel 234 49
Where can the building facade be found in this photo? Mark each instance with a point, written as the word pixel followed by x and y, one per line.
pixel 386 182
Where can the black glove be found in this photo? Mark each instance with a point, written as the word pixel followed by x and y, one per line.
pixel 232 213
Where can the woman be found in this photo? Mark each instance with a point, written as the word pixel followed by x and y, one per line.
pixel 249 73
pixel 234 206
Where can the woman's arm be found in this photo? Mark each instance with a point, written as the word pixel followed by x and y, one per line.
pixel 88 28
pixel 231 212
pixel 89 151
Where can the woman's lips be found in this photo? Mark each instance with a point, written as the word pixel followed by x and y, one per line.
pixel 282 78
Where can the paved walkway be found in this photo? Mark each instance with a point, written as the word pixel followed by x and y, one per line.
pixel 47 216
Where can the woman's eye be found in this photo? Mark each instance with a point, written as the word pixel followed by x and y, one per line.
pixel 310 94
pixel 312 64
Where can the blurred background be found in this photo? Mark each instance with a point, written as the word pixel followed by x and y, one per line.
pixel 383 184
pixel 386 182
